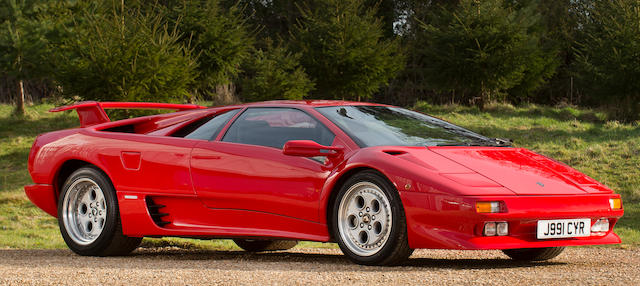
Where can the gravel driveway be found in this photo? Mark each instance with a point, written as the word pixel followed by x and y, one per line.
pixel 576 266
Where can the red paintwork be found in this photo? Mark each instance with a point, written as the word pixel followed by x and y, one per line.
pixel 221 189
pixel 43 196
pixel 308 148
pixel 515 167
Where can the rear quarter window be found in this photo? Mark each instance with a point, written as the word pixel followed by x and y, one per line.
pixel 206 128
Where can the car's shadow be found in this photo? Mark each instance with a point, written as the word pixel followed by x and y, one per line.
pixel 338 262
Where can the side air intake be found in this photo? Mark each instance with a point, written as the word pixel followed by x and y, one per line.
pixel 158 217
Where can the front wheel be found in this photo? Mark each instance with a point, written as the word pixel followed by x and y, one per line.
pixel 88 216
pixel 368 221
pixel 533 254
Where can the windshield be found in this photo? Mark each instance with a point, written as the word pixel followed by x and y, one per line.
pixel 394 126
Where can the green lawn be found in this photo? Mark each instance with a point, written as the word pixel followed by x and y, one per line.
pixel 606 151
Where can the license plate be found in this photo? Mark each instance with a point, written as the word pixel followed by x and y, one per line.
pixel 562 228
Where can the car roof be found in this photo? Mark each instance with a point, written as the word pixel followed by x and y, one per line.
pixel 309 103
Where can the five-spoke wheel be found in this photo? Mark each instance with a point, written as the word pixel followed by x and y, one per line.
pixel 84 211
pixel 364 218
pixel 368 221
pixel 89 218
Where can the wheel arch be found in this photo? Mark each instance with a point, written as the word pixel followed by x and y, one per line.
pixel 66 169
pixel 337 184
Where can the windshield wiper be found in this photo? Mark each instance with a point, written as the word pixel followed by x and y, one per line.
pixel 454 144
pixel 503 142
pixel 492 142
pixel 470 144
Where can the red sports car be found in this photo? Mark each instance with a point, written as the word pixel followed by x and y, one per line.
pixel 379 180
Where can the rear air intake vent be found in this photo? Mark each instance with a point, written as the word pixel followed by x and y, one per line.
pixel 394 152
pixel 157 216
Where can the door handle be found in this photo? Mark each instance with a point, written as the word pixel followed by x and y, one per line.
pixel 206 157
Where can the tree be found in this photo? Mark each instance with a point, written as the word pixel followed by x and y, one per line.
pixel 344 50
pixel 559 19
pixel 480 49
pixel 409 85
pixel 608 57
pixel 387 11
pixel 550 34
pixel 22 44
pixel 272 20
pixel 275 73
pixel 124 55
pixel 220 39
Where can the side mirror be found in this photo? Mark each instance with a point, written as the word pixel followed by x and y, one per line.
pixel 308 148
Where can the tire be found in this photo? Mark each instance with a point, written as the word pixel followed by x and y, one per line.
pixel 533 254
pixel 257 245
pixel 368 221
pixel 89 217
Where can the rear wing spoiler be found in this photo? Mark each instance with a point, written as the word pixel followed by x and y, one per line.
pixel 92 112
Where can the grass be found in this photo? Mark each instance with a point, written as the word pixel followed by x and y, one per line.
pixel 22 225
pixel 606 151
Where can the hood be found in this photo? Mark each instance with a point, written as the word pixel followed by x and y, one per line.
pixel 522 171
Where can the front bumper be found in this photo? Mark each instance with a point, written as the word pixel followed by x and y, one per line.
pixel 450 222
pixel 43 196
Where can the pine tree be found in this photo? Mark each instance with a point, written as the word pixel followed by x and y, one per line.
pixel 480 49
pixel 559 20
pixel 220 38
pixel 271 20
pixel 275 73
pixel 344 50
pixel 23 44
pixel 123 54
pixel 608 57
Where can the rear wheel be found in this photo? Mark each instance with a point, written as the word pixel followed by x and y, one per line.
pixel 257 245
pixel 533 254
pixel 368 221
pixel 89 217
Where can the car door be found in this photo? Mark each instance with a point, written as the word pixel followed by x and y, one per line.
pixel 247 171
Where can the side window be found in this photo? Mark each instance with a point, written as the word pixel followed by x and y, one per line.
pixel 206 128
pixel 273 127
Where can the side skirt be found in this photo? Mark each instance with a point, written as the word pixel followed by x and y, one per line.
pixel 187 216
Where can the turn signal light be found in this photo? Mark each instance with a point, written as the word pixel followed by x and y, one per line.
pixel 615 203
pixel 488 207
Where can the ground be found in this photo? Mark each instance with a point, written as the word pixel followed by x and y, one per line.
pixel 169 266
